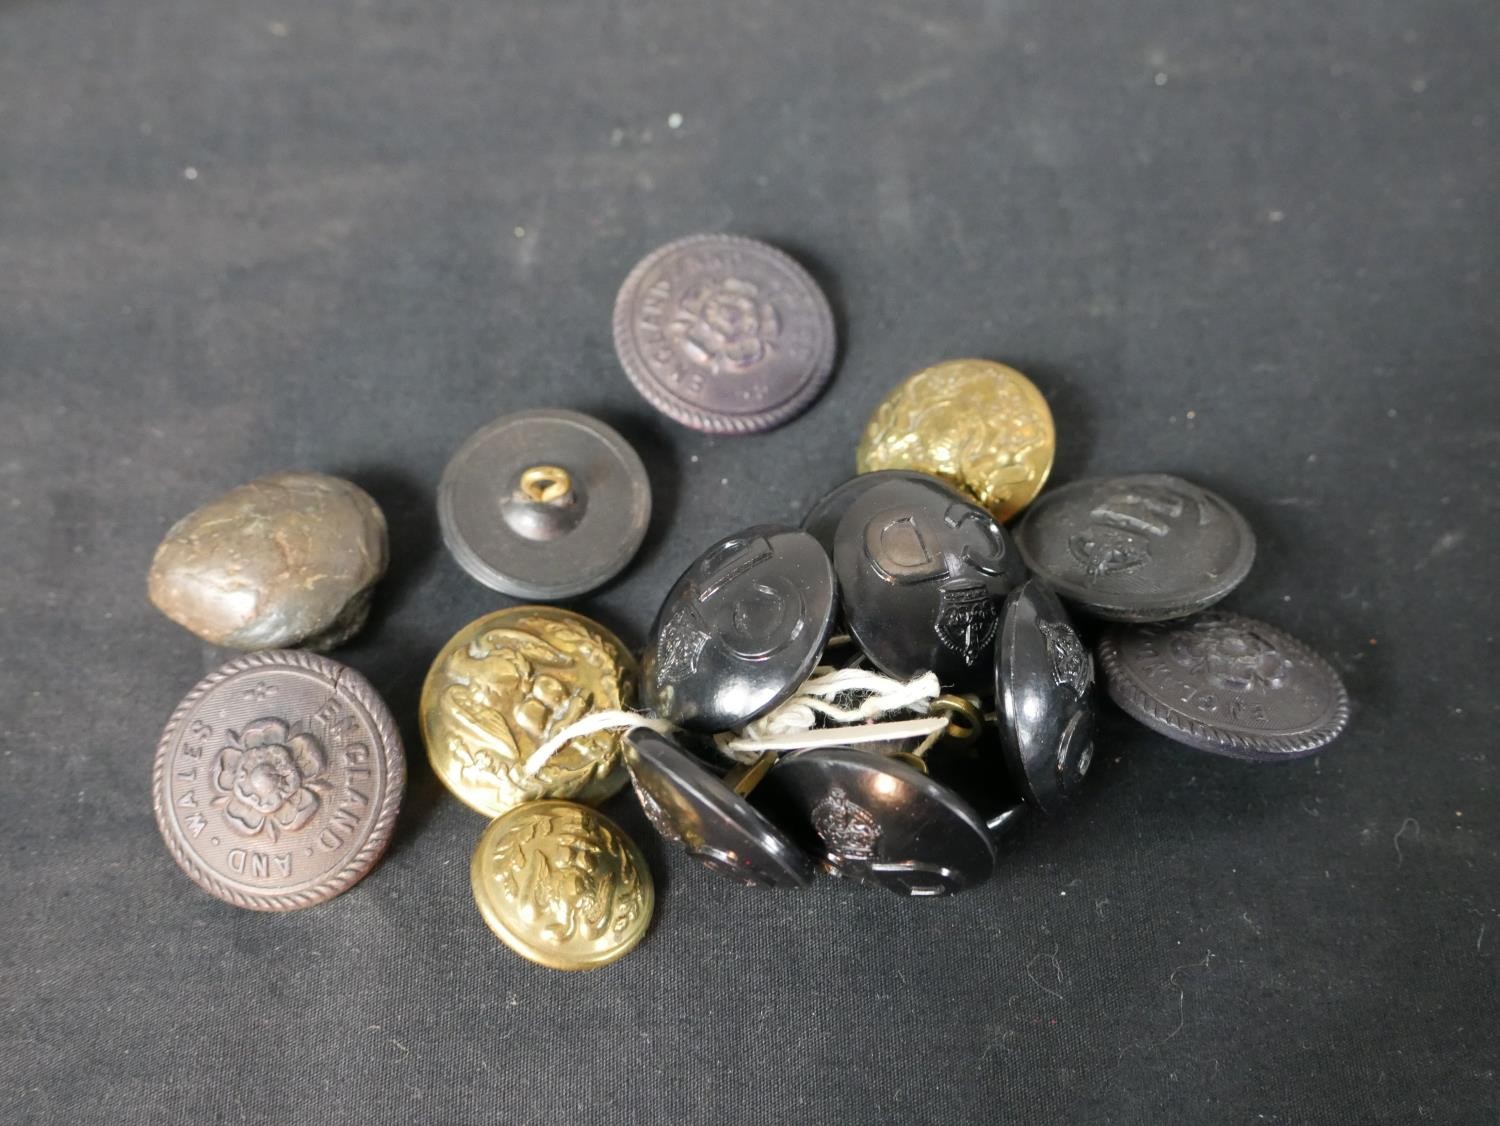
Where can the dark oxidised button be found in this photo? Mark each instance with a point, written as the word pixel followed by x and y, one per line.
pixel 1138 549
pixel 740 630
pixel 278 779
pixel 544 504
pixel 1226 684
pixel 921 573
pixel 822 519
pixel 1044 690
pixel 879 820
pixel 708 817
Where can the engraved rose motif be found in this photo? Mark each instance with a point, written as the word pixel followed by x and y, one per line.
pixel 1229 656
pixel 724 325
pixel 269 779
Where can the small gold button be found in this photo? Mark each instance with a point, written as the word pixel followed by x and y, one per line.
pixel 562 885
pixel 981 426
pixel 508 682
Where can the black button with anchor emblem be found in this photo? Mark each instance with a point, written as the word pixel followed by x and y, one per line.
pixel 742 628
pixel 921 573
pixel 879 820
pixel 1044 691
pixel 710 817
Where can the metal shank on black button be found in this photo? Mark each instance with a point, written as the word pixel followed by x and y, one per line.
pixel 1044 686
pixel 740 630
pixel 544 504
pixel 716 826
pixel 879 820
pixel 921 574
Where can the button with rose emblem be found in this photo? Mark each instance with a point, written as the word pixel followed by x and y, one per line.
pixel 507 683
pixel 981 426
pixel 1143 548
pixel 277 780
pixel 879 820
pixel 544 504
pixel 562 885
pixel 709 817
pixel 1226 684
pixel 724 334
pixel 921 573
pixel 740 630
pixel 1044 688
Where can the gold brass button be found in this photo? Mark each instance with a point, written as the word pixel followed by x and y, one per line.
pixel 562 885
pixel 981 426
pixel 508 682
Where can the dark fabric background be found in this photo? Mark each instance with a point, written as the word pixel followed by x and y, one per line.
pixel 1254 244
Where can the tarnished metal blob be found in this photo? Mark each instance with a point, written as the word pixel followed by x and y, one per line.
pixel 981 426
pixel 740 630
pixel 921 574
pixel 1227 684
pixel 562 885
pixel 289 560
pixel 710 818
pixel 1144 548
pixel 724 334
pixel 278 780
pixel 508 682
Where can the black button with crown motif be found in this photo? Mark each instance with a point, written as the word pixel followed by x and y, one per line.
pixel 1044 692
pixel 742 628
pixel 921 572
pixel 878 820
pixel 708 817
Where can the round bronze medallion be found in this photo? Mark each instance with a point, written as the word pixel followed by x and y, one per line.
pixel 277 780
pixel 562 885
pixel 504 685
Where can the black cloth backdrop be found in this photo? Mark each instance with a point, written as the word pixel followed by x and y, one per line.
pixel 1251 244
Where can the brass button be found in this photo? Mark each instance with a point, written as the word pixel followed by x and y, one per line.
pixel 979 425
pixel 508 682
pixel 562 885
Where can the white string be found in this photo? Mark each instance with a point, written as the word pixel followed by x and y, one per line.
pixel 591 724
pixel 793 724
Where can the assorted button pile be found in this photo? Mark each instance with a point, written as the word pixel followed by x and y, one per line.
pixel 879 693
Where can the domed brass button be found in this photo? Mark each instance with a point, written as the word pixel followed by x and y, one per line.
pixel 562 885
pixel 508 682
pixel 979 425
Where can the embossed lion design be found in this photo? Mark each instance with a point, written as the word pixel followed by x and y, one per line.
pixel 1229 656
pixel 569 875
pixel 724 325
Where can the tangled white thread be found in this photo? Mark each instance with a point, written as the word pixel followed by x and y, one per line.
pixel 851 698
